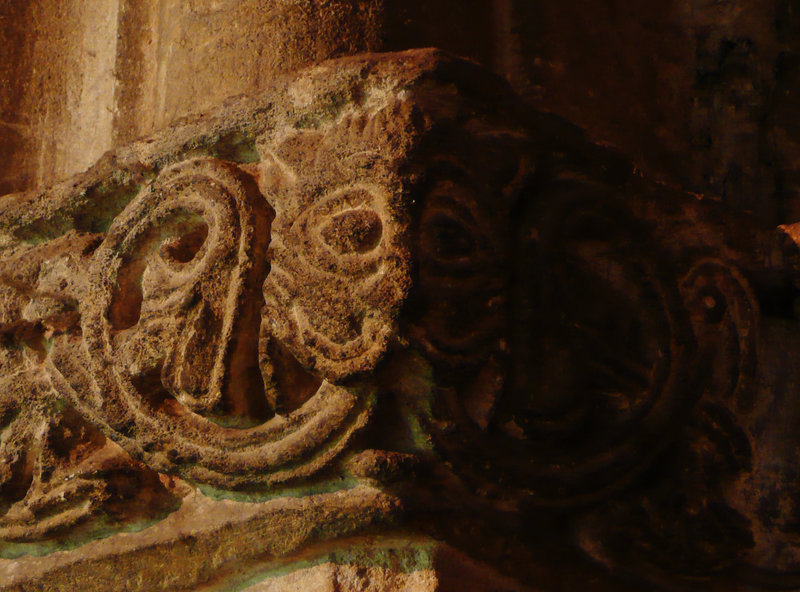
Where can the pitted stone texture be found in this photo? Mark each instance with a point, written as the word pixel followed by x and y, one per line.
pixel 218 299
pixel 205 544
pixel 391 566
pixel 384 272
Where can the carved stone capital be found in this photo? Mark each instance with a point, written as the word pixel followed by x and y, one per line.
pixel 385 299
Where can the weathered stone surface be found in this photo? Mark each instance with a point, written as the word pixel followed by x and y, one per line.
pixel 202 543
pixel 384 297
pixel 378 565
pixel 79 78
pixel 217 300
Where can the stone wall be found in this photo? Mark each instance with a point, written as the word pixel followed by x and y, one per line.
pixel 82 77
pixel 660 80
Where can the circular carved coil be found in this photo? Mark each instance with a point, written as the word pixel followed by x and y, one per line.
pixel 601 354
pixel 462 267
pixel 602 349
pixel 186 378
pixel 724 313
pixel 338 279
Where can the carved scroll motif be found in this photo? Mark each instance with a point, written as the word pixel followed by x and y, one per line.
pixel 223 327
pixel 724 313
pixel 171 325
pixel 570 371
pixel 376 267
pixel 60 474
pixel 604 358
pixel 339 256
pixel 216 336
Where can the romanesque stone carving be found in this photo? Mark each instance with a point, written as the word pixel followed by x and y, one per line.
pixel 216 302
pixel 171 325
pixel 386 299
pixel 339 255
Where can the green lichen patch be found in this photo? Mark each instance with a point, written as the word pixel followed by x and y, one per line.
pixel 333 484
pixel 394 554
pixel 95 529
pixel 92 210
pixel 236 146
pixel 327 108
